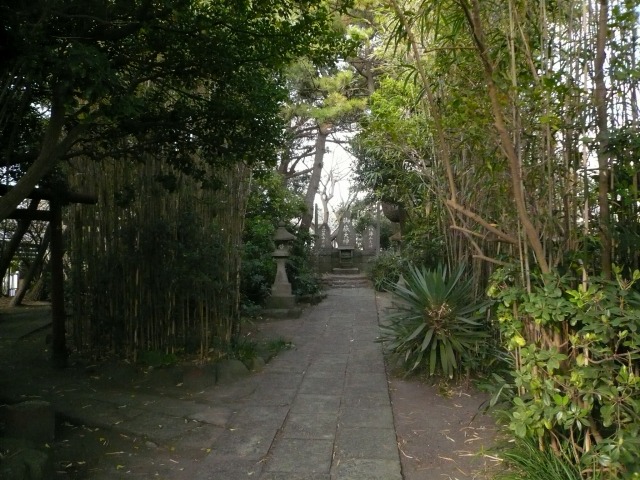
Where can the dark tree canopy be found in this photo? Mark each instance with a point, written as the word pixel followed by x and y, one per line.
pixel 174 79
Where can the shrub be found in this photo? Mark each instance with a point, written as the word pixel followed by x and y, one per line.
pixel 269 202
pixel 156 358
pixel 277 345
pixel 576 384
pixel 258 266
pixel 434 323
pixel 304 280
pixel 525 461
pixel 386 269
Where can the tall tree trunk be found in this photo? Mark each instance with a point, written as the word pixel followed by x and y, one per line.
pixel 472 13
pixel 13 245
pixel 316 175
pixel 633 101
pixel 600 98
pixel 35 267
pixel 325 196
pixel 40 167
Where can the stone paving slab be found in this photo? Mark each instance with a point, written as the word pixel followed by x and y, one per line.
pixel 301 456
pixel 214 415
pixel 225 467
pixel 294 476
pixel 340 425
pixel 366 442
pixel 357 416
pixel 366 469
pixel 365 398
pixel 316 403
pixel 330 384
pixel 259 416
pixel 158 428
pixel 367 381
pixel 201 434
pixel 251 443
pixel 272 397
pixel 310 426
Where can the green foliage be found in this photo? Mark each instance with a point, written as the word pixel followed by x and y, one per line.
pixel 246 349
pixel 258 266
pixel 390 148
pixel 385 269
pixel 323 93
pixel 623 144
pixel 156 358
pixel 422 242
pixel 434 322
pixel 243 349
pixel 525 461
pixel 303 277
pixel 178 80
pixel 277 345
pixel 577 351
pixel 394 161
pixel 268 202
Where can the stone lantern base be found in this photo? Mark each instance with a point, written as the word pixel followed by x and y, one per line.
pixel 279 307
pixel 281 301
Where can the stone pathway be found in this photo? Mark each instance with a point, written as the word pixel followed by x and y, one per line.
pixel 320 410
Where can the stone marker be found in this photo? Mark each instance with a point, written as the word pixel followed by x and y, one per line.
pixel 23 462
pixel 32 420
pixel 230 370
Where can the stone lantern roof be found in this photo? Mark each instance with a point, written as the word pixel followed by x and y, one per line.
pixel 282 235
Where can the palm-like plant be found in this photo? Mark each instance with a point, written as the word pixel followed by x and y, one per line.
pixel 434 322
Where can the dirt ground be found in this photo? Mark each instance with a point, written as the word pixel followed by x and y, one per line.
pixel 441 433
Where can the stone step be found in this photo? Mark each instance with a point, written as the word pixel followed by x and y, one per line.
pixel 345 271
pixel 345 280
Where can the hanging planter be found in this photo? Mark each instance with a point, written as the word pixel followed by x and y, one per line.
pixel 393 211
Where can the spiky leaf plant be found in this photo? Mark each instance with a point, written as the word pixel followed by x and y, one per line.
pixel 433 323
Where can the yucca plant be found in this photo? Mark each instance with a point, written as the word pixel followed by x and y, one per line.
pixel 434 323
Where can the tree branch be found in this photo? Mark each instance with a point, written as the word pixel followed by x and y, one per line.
pixel 491 260
pixel 290 175
pixel 477 32
pixel 479 220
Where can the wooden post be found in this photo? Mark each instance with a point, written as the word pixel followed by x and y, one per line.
pixel 378 229
pixel 59 352
pixel 58 318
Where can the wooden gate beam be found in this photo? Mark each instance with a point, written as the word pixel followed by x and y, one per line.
pixel 64 197
pixel 24 214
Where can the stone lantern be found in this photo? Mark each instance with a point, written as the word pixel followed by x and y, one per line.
pixel 281 295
